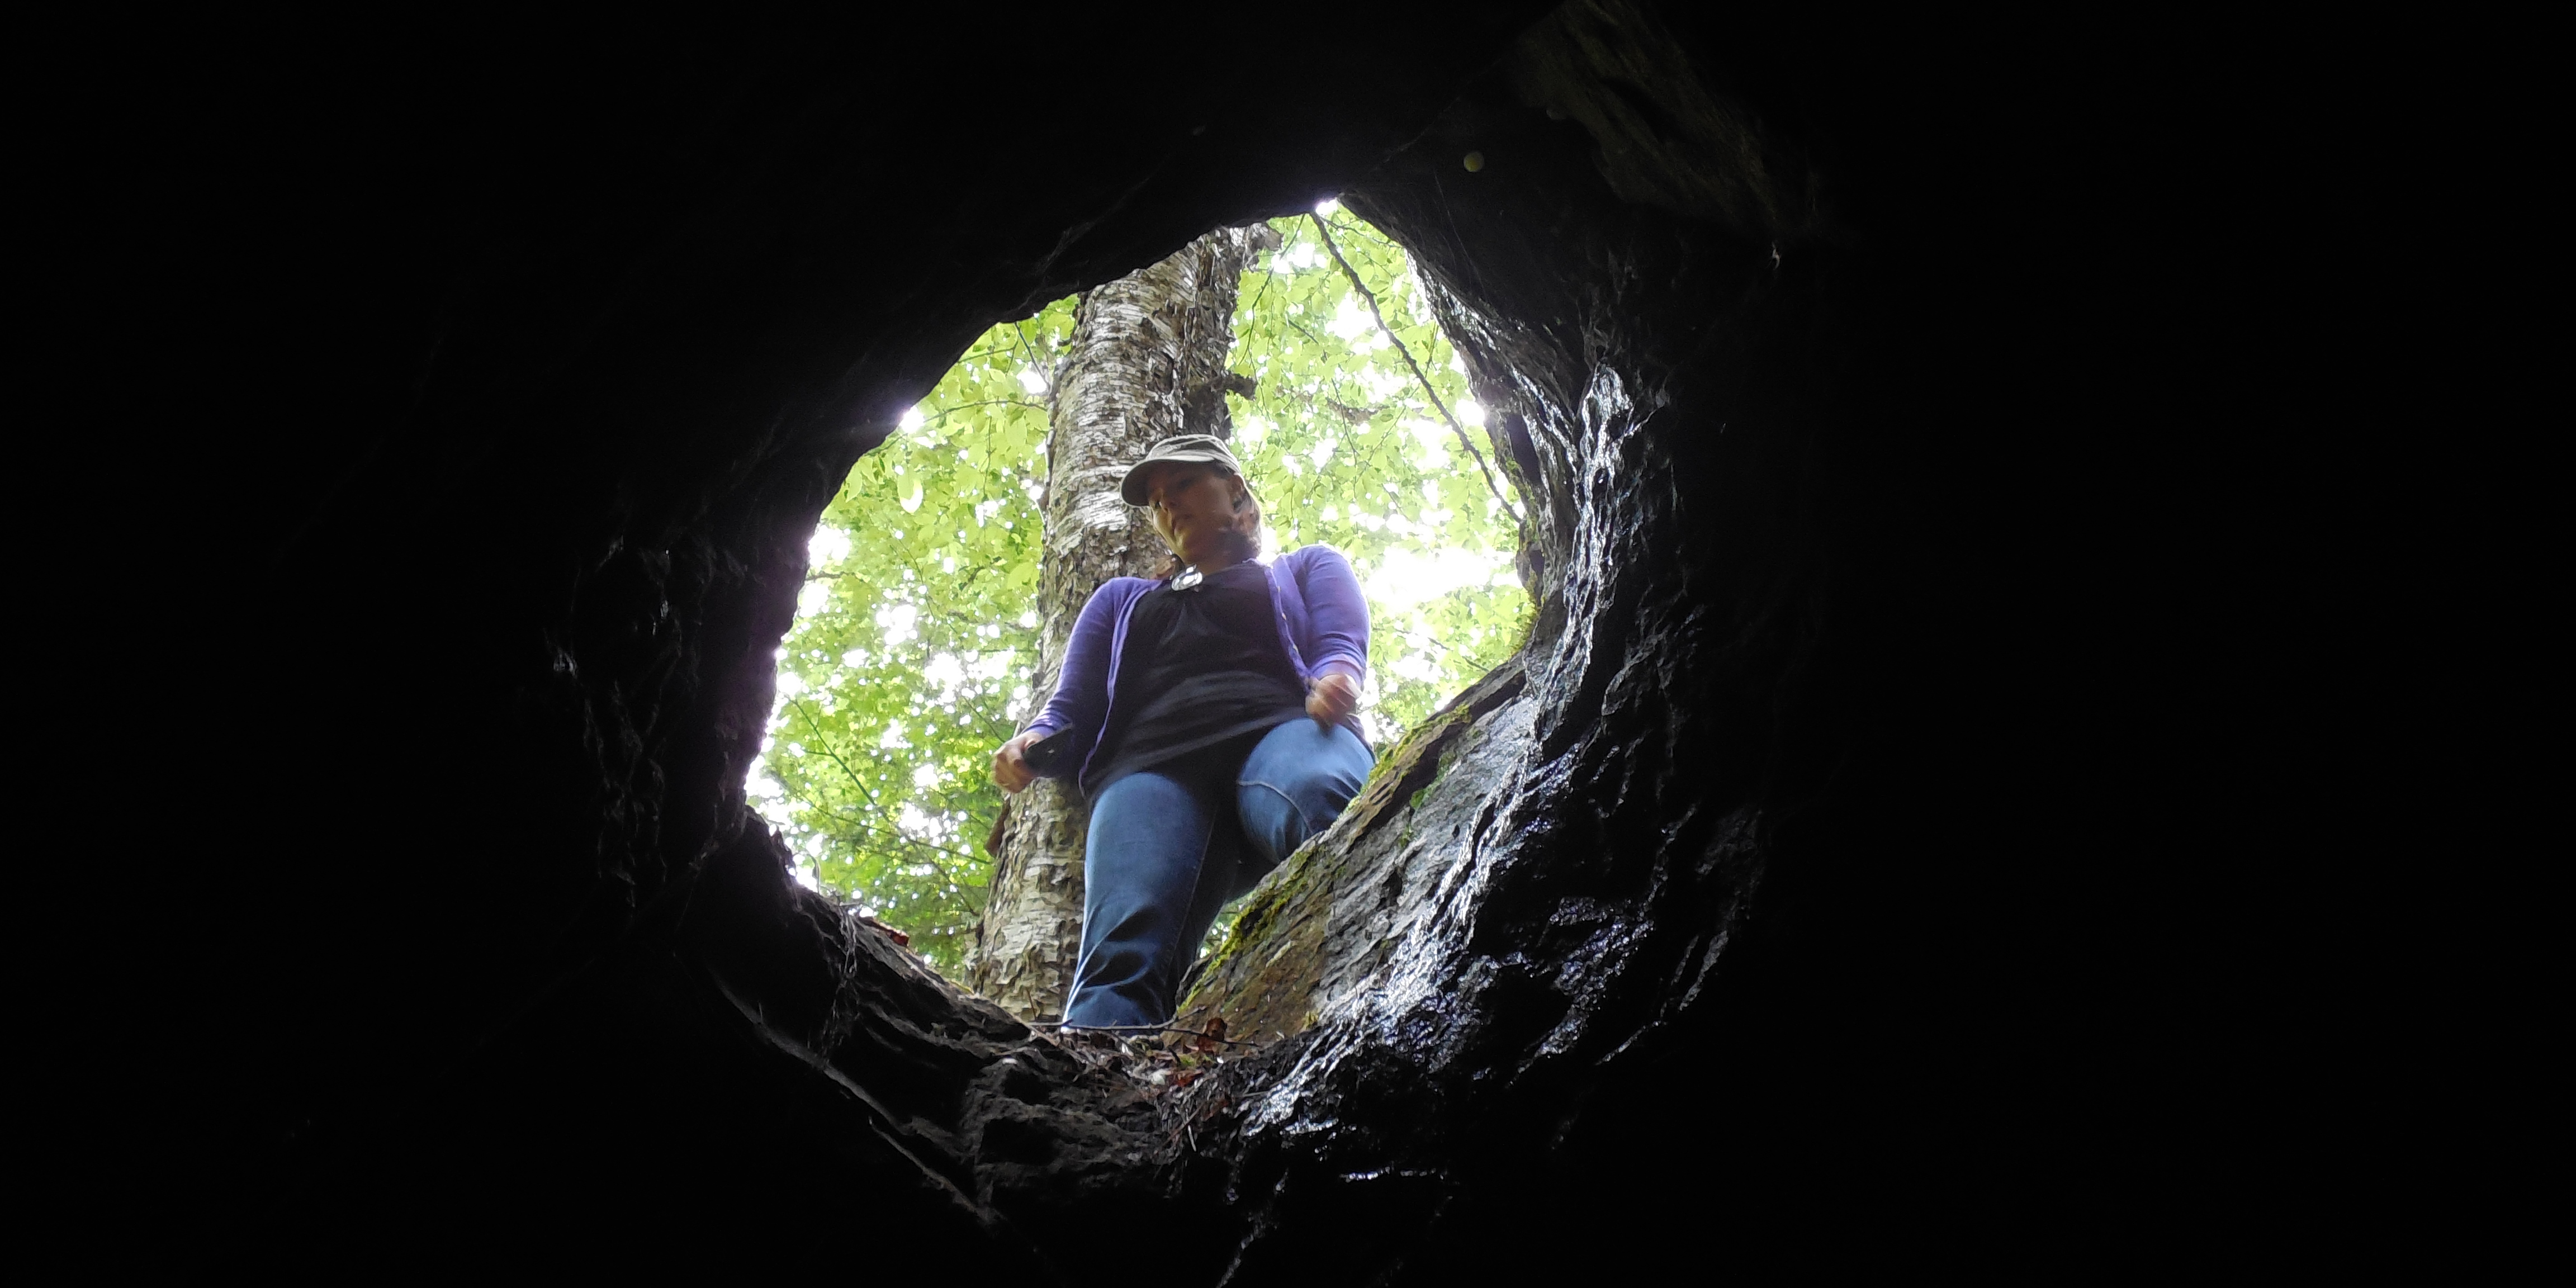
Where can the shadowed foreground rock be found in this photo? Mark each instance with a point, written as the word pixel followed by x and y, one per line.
pixel 1872 862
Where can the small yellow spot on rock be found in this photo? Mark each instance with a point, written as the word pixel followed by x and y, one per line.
pixel 1475 162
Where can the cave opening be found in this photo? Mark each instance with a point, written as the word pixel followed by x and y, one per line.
pixel 919 643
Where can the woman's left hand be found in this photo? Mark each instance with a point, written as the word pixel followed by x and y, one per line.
pixel 1332 696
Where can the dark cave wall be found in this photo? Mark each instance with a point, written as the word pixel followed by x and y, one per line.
pixel 1543 1038
pixel 560 343
pixel 1874 376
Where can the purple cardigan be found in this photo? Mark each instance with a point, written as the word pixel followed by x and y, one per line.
pixel 1323 622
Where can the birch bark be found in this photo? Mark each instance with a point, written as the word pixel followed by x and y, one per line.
pixel 1147 360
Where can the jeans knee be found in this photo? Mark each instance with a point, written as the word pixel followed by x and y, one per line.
pixel 1270 807
pixel 1319 790
pixel 1296 782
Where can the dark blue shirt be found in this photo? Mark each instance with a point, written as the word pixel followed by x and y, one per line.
pixel 1208 667
pixel 1323 627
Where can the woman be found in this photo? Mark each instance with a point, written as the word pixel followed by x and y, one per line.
pixel 1208 717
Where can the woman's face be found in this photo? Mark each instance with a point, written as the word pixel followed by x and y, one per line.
pixel 1193 507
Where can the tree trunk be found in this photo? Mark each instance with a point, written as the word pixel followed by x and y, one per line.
pixel 1147 361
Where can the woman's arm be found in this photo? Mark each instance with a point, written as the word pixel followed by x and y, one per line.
pixel 1336 613
pixel 1081 695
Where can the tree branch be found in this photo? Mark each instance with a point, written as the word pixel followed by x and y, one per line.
pixel 873 830
pixel 945 412
pixel 1030 347
pixel 859 825
pixel 892 824
pixel 1264 293
pixel 1301 327
pixel 1418 374
pixel 863 825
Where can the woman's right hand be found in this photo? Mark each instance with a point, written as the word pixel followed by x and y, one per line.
pixel 1011 770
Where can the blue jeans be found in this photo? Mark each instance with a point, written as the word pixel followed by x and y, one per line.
pixel 1172 844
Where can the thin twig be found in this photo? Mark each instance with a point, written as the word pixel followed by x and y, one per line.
pixel 1266 277
pixel 971 355
pixel 1060 1025
pixel 1021 329
pixel 1301 327
pixel 874 830
pixel 913 841
pixel 895 825
pixel 945 412
pixel 1363 233
pixel 1392 338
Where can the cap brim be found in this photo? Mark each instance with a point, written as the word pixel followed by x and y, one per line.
pixel 1131 489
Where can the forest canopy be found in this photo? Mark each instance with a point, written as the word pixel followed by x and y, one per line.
pixel 915 636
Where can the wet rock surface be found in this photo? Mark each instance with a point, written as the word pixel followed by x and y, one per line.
pixel 1827 887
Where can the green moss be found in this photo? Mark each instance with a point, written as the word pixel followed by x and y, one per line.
pixel 1259 916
